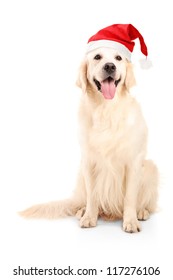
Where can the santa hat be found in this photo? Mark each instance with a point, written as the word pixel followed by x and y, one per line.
pixel 119 37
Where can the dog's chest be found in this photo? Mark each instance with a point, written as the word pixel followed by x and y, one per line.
pixel 115 130
pixel 110 127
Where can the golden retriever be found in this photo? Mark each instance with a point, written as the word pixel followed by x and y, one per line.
pixel 115 180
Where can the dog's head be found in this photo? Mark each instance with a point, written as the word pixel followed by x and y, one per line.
pixel 104 70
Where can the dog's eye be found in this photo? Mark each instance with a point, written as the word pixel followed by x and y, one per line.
pixel 97 57
pixel 118 57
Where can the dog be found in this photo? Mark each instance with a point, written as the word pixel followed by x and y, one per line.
pixel 115 180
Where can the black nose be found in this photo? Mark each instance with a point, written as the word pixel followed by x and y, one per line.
pixel 109 68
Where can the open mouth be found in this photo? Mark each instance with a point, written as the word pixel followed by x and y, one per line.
pixel 107 87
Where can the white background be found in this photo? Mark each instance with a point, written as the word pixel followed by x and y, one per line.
pixel 41 46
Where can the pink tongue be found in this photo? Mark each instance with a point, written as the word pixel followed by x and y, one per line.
pixel 108 89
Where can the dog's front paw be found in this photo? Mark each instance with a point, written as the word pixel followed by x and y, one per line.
pixel 131 226
pixel 87 221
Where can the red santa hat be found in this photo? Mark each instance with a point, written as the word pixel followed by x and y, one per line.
pixel 119 37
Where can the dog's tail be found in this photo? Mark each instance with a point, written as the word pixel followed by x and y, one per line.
pixel 52 210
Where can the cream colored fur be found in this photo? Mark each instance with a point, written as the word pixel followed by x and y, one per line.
pixel 115 180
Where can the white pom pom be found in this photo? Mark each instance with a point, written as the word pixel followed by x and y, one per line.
pixel 145 63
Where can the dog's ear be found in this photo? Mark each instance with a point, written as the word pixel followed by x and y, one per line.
pixel 82 76
pixel 130 78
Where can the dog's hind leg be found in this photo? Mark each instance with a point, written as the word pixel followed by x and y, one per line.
pixel 148 192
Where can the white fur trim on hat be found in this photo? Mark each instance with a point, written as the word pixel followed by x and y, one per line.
pixel 109 44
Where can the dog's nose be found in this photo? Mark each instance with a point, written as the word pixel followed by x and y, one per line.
pixel 109 68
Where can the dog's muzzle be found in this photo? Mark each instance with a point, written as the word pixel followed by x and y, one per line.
pixel 107 87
